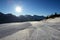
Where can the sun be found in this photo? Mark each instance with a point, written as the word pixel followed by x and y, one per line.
pixel 18 9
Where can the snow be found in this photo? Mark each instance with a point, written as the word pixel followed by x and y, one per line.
pixel 38 30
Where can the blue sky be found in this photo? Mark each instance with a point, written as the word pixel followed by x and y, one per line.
pixel 30 7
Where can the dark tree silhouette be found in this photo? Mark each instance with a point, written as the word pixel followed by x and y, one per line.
pixel 53 15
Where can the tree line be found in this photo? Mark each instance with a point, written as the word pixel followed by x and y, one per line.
pixel 53 15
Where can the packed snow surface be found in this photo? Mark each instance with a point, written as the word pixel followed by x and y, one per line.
pixel 38 30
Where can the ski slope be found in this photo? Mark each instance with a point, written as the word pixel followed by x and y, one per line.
pixel 38 30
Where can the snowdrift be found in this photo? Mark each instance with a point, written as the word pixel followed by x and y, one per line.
pixel 41 30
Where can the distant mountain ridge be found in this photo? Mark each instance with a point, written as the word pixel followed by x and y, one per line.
pixel 6 18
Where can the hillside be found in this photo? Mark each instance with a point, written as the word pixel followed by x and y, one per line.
pixel 41 30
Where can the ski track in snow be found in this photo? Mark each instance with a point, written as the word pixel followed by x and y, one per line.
pixel 42 30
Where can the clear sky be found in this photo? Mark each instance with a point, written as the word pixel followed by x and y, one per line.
pixel 30 7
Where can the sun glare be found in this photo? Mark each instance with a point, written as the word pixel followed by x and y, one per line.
pixel 18 9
